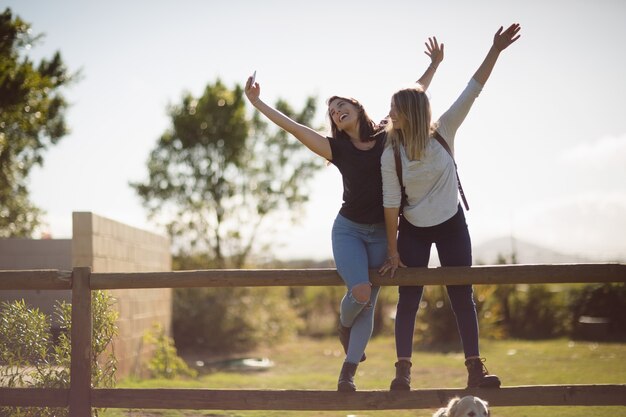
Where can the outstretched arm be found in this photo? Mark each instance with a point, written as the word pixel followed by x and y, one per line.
pixel 501 40
pixel 309 137
pixel 435 52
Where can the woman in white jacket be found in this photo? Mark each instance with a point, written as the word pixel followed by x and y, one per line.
pixel 432 213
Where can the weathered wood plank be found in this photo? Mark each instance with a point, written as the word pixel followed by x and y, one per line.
pixel 550 395
pixel 492 274
pixel 34 397
pixel 37 279
pixel 81 335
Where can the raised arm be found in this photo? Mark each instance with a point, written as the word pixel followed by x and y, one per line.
pixel 309 137
pixel 435 52
pixel 501 40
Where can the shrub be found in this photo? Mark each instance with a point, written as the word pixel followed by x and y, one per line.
pixel 165 362
pixel 435 325
pixel 538 312
pixel 30 358
pixel 232 319
pixel 607 301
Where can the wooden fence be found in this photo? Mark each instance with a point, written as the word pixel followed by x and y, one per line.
pixel 81 397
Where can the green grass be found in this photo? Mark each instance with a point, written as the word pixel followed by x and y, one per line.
pixel 314 364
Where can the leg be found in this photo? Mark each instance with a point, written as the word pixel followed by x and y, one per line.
pixel 351 260
pixel 455 250
pixel 349 250
pixel 363 325
pixel 414 252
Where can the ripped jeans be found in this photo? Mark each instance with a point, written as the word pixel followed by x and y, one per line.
pixel 356 248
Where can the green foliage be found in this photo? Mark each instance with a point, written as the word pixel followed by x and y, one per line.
pixel 607 301
pixel 318 308
pixel 32 118
pixel 165 362
pixel 215 175
pixel 435 325
pixel 539 312
pixel 232 319
pixel 30 358
pixel 519 311
pixel 25 342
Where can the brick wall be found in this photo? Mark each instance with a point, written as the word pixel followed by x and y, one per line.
pixel 110 246
pixel 106 246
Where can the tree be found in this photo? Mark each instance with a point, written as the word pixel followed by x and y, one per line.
pixel 32 118
pixel 216 174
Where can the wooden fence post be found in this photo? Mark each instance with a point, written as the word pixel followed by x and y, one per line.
pixel 80 370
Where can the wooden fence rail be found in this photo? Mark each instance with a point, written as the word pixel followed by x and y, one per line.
pixel 80 397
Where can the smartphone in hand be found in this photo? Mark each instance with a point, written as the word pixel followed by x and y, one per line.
pixel 253 78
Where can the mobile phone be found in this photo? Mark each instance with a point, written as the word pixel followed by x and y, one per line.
pixel 253 78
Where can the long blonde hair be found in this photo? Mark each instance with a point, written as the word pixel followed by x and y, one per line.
pixel 413 107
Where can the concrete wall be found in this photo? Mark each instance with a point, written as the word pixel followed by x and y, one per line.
pixel 106 246
pixel 36 254
pixel 110 246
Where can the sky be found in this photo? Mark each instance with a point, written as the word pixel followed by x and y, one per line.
pixel 542 153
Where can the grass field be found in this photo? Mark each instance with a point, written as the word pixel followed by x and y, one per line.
pixel 315 364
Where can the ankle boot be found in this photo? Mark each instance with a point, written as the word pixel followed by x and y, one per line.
pixel 346 377
pixel 402 381
pixel 344 338
pixel 478 375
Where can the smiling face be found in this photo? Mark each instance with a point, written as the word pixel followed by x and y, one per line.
pixel 343 113
pixel 395 117
pixel 348 120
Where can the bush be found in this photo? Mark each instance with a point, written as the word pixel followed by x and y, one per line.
pixel 522 311
pixel 607 301
pixel 539 312
pixel 232 319
pixel 165 362
pixel 435 325
pixel 30 358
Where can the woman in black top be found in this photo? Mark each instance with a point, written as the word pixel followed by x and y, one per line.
pixel 358 235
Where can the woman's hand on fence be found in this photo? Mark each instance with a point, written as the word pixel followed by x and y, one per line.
pixel 391 264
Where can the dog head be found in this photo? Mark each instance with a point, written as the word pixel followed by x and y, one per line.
pixel 468 406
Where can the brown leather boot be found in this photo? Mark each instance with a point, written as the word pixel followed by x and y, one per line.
pixel 478 376
pixel 344 338
pixel 402 381
pixel 346 377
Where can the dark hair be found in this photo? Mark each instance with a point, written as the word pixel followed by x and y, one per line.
pixel 367 127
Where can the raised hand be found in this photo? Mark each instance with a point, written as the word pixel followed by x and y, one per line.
pixel 501 40
pixel 252 90
pixel 434 51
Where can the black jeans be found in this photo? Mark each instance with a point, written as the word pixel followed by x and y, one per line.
pixel 454 247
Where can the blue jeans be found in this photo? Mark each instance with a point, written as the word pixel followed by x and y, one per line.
pixel 455 249
pixel 356 248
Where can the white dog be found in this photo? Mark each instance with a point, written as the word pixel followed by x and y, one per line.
pixel 468 406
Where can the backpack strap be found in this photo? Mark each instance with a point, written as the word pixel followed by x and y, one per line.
pixel 403 199
pixel 445 145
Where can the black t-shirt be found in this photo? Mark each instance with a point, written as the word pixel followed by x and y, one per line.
pixel 362 180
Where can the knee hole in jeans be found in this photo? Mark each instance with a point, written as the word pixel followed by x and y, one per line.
pixel 361 293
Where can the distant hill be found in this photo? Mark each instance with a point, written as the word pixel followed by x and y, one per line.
pixel 526 253
pixel 485 253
